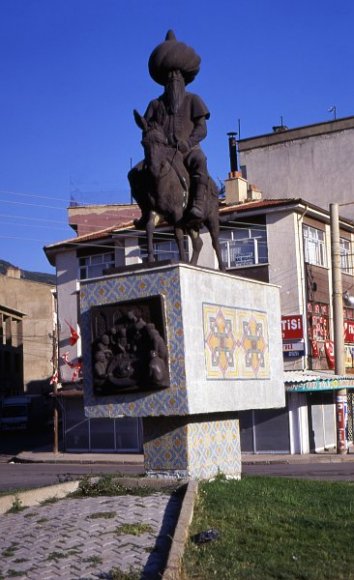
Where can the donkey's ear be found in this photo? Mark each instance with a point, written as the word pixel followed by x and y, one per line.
pixel 140 121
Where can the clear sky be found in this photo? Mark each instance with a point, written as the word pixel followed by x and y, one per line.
pixel 71 72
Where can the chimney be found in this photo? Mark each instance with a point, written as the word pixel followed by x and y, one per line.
pixel 233 152
pixel 253 193
pixel 13 272
pixel 235 188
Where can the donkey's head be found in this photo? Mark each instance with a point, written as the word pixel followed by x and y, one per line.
pixel 154 142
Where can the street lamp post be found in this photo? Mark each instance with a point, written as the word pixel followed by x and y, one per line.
pixel 338 328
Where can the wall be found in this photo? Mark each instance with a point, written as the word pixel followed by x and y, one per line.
pixel 317 168
pixel 284 257
pixel 35 300
pixel 233 349
pixel 67 293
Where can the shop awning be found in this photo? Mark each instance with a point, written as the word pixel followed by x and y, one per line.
pixel 305 381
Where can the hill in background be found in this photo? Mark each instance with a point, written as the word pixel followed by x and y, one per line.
pixel 28 275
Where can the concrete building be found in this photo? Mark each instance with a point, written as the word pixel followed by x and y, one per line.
pixel 281 241
pixel 27 334
pixel 314 162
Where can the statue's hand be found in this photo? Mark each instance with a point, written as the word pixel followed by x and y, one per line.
pixel 183 146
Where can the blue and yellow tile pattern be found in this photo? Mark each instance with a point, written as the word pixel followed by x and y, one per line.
pixel 236 343
pixel 118 288
pixel 199 446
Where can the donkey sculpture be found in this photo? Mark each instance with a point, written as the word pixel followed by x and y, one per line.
pixel 161 188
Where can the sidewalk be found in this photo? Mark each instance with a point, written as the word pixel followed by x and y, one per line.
pixel 44 456
pixel 322 457
pixel 92 537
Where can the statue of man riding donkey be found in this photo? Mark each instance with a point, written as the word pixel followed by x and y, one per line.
pixel 172 184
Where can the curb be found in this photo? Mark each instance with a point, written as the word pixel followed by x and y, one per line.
pixel 27 457
pixel 174 561
pixel 37 496
pixel 300 460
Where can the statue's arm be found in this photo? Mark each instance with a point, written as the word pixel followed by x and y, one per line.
pixel 199 132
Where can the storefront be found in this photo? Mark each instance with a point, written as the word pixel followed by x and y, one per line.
pixel 312 397
pixel 79 433
pixel 308 422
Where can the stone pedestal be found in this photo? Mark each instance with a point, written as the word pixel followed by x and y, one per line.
pixel 196 446
pixel 223 335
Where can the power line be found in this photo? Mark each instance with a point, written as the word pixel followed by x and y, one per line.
pixel 69 199
pixel 32 195
pixel 5 215
pixel 33 204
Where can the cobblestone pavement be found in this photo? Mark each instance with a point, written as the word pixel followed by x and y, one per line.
pixel 89 538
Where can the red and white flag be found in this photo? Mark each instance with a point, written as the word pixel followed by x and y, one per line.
pixel 74 337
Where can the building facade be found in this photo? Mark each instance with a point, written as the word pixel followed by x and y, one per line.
pixel 313 162
pixel 27 334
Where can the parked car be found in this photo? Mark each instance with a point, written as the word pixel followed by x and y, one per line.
pixel 30 412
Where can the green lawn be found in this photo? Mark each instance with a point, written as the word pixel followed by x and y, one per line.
pixel 273 528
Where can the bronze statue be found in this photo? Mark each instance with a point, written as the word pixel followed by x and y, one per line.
pixel 172 183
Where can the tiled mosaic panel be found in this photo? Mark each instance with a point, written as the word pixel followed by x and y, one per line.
pixel 165 443
pixel 198 446
pixel 236 343
pixel 171 401
pixel 214 446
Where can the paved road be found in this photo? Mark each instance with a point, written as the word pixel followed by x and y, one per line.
pixel 15 476
pixel 319 471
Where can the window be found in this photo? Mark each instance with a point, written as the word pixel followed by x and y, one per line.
pixel 164 250
pixel 345 256
pixel 244 246
pixel 315 246
pixel 93 266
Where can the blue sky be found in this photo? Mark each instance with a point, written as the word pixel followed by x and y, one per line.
pixel 71 72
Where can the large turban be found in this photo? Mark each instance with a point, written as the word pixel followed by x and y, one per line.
pixel 173 55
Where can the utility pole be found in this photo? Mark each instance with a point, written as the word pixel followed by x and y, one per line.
pixel 55 421
pixel 55 359
pixel 338 327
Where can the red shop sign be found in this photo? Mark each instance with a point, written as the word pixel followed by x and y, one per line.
pixel 349 331
pixel 292 327
pixel 329 349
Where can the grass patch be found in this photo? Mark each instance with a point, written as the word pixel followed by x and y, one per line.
pixel 117 574
pixel 98 486
pixel 109 485
pixel 10 551
pixel 273 528
pixel 17 506
pixel 57 556
pixel 50 500
pixel 93 560
pixel 134 529
pixel 104 515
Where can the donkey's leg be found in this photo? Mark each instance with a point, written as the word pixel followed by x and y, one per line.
pixel 150 227
pixel 197 245
pixel 179 235
pixel 213 228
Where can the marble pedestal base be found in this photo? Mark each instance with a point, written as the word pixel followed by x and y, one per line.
pixel 193 446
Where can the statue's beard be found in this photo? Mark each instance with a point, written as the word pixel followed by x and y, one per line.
pixel 174 93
